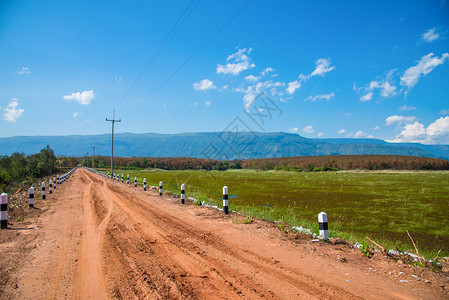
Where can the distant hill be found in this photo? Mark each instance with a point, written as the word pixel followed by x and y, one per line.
pixel 215 145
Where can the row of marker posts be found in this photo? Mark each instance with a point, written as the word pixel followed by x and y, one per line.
pixel 322 216
pixel 4 197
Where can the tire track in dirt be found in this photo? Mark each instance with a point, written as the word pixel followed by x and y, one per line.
pixel 200 258
pixel 90 277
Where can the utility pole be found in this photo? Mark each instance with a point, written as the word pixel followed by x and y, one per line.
pixel 112 141
pixel 93 159
pixel 87 154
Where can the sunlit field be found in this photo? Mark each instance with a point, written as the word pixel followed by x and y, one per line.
pixel 381 205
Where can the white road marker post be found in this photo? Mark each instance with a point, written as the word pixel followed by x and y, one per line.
pixel 4 211
pixel 160 188
pixel 225 200
pixel 43 190
pixel 135 181
pixel 57 179
pixel 31 200
pixel 54 182
pixel 183 193
pixel 144 184
pixel 50 186
pixel 122 178
pixel 127 179
pixel 322 222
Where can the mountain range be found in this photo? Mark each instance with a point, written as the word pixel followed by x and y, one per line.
pixel 215 145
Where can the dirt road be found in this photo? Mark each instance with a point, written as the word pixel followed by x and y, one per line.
pixel 99 239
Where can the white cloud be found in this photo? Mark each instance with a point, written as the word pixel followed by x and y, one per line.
pixel 444 112
pixel 24 70
pixel 204 85
pixel 406 108
pixel 266 71
pixel 320 134
pixel 294 129
pixel 367 97
pixel 82 98
pixel 75 114
pixel 399 120
pixel 236 63
pixel 292 87
pixel 208 103
pixel 360 134
pixel 341 131
pixel 12 112
pixel 322 67
pixel 425 65
pixel 376 128
pixel 308 129
pixel 252 91
pixel 320 97
pixel 252 78
pixel 387 90
pixel 430 35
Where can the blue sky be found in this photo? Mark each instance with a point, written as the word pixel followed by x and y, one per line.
pixel 333 68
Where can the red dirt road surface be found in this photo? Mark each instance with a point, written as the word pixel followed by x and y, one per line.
pixel 99 239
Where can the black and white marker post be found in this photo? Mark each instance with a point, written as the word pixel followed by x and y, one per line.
pixel 127 179
pixel 144 184
pixel 50 186
pixel 54 182
pixel 135 181
pixel 57 179
pixel 160 188
pixel 43 190
pixel 322 222
pixel 4 211
pixel 183 193
pixel 31 201
pixel 122 178
pixel 225 200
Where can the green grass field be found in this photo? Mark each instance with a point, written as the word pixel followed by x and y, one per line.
pixel 381 205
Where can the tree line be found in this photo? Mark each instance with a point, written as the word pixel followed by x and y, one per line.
pixel 19 169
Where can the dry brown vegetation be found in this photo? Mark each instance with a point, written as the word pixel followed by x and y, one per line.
pixel 348 162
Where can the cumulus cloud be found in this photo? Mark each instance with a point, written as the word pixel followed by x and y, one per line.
pixel 430 35
pixel 252 78
pixel 406 108
pixel 292 87
pixel 444 112
pixel 320 134
pixel 361 134
pixel 367 97
pixel 341 131
pixel 436 133
pixel 24 70
pixel 12 113
pixel 294 129
pixel 424 66
pixel 204 85
pixel 75 114
pixel 320 97
pixel 236 63
pixel 266 71
pixel 252 91
pixel 323 66
pixel 308 129
pixel 399 120
pixel 376 128
pixel 82 98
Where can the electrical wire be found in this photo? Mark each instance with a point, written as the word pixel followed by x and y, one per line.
pixel 191 57
pixel 159 50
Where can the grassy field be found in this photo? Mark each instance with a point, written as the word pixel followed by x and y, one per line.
pixel 381 205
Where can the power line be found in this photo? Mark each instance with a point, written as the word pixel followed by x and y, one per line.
pixel 158 51
pixel 192 56
pixel 112 141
